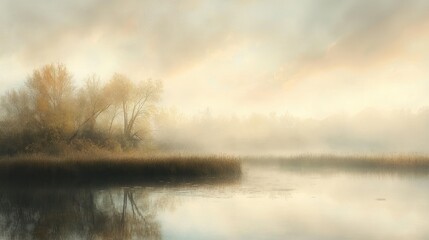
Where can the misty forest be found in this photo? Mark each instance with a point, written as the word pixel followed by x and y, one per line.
pixel 199 119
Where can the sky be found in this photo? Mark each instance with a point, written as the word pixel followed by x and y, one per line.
pixel 307 58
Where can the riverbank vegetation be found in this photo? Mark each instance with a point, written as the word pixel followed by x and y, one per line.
pixel 84 170
pixel 54 132
pixel 49 114
pixel 394 163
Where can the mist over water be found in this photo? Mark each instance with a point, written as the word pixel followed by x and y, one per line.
pixel 368 132
pixel 205 119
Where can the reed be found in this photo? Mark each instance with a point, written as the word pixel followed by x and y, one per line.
pixel 80 170
pixel 359 163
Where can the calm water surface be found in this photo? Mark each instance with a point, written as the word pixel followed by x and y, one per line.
pixel 268 203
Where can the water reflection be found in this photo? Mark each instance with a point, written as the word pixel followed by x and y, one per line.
pixel 77 214
pixel 267 203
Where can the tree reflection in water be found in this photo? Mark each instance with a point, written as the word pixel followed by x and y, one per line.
pixel 78 214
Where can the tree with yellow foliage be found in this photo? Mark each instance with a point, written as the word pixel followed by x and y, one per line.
pixel 51 91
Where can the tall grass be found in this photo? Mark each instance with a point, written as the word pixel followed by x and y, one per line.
pixel 80 170
pixel 361 163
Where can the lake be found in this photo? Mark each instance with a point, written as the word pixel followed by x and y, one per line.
pixel 268 202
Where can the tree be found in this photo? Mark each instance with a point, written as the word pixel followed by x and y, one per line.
pixel 93 101
pixel 135 101
pixel 17 109
pixel 48 114
pixel 51 90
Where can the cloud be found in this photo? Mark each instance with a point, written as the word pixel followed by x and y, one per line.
pixel 367 34
pixel 265 54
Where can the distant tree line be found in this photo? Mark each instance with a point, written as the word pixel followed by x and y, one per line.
pixel 51 115
pixel 369 131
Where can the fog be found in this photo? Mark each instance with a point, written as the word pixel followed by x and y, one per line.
pixel 307 58
pixel 277 76
pixel 368 132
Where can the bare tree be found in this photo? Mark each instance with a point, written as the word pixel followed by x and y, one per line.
pixel 135 100
pixel 93 100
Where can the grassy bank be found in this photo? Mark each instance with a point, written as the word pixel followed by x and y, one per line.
pixel 117 170
pixel 416 164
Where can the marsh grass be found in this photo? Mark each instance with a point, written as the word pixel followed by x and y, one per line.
pixel 121 170
pixel 391 164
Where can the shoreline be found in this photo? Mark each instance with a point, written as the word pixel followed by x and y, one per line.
pixel 118 170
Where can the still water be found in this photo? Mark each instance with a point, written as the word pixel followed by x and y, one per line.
pixel 268 202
